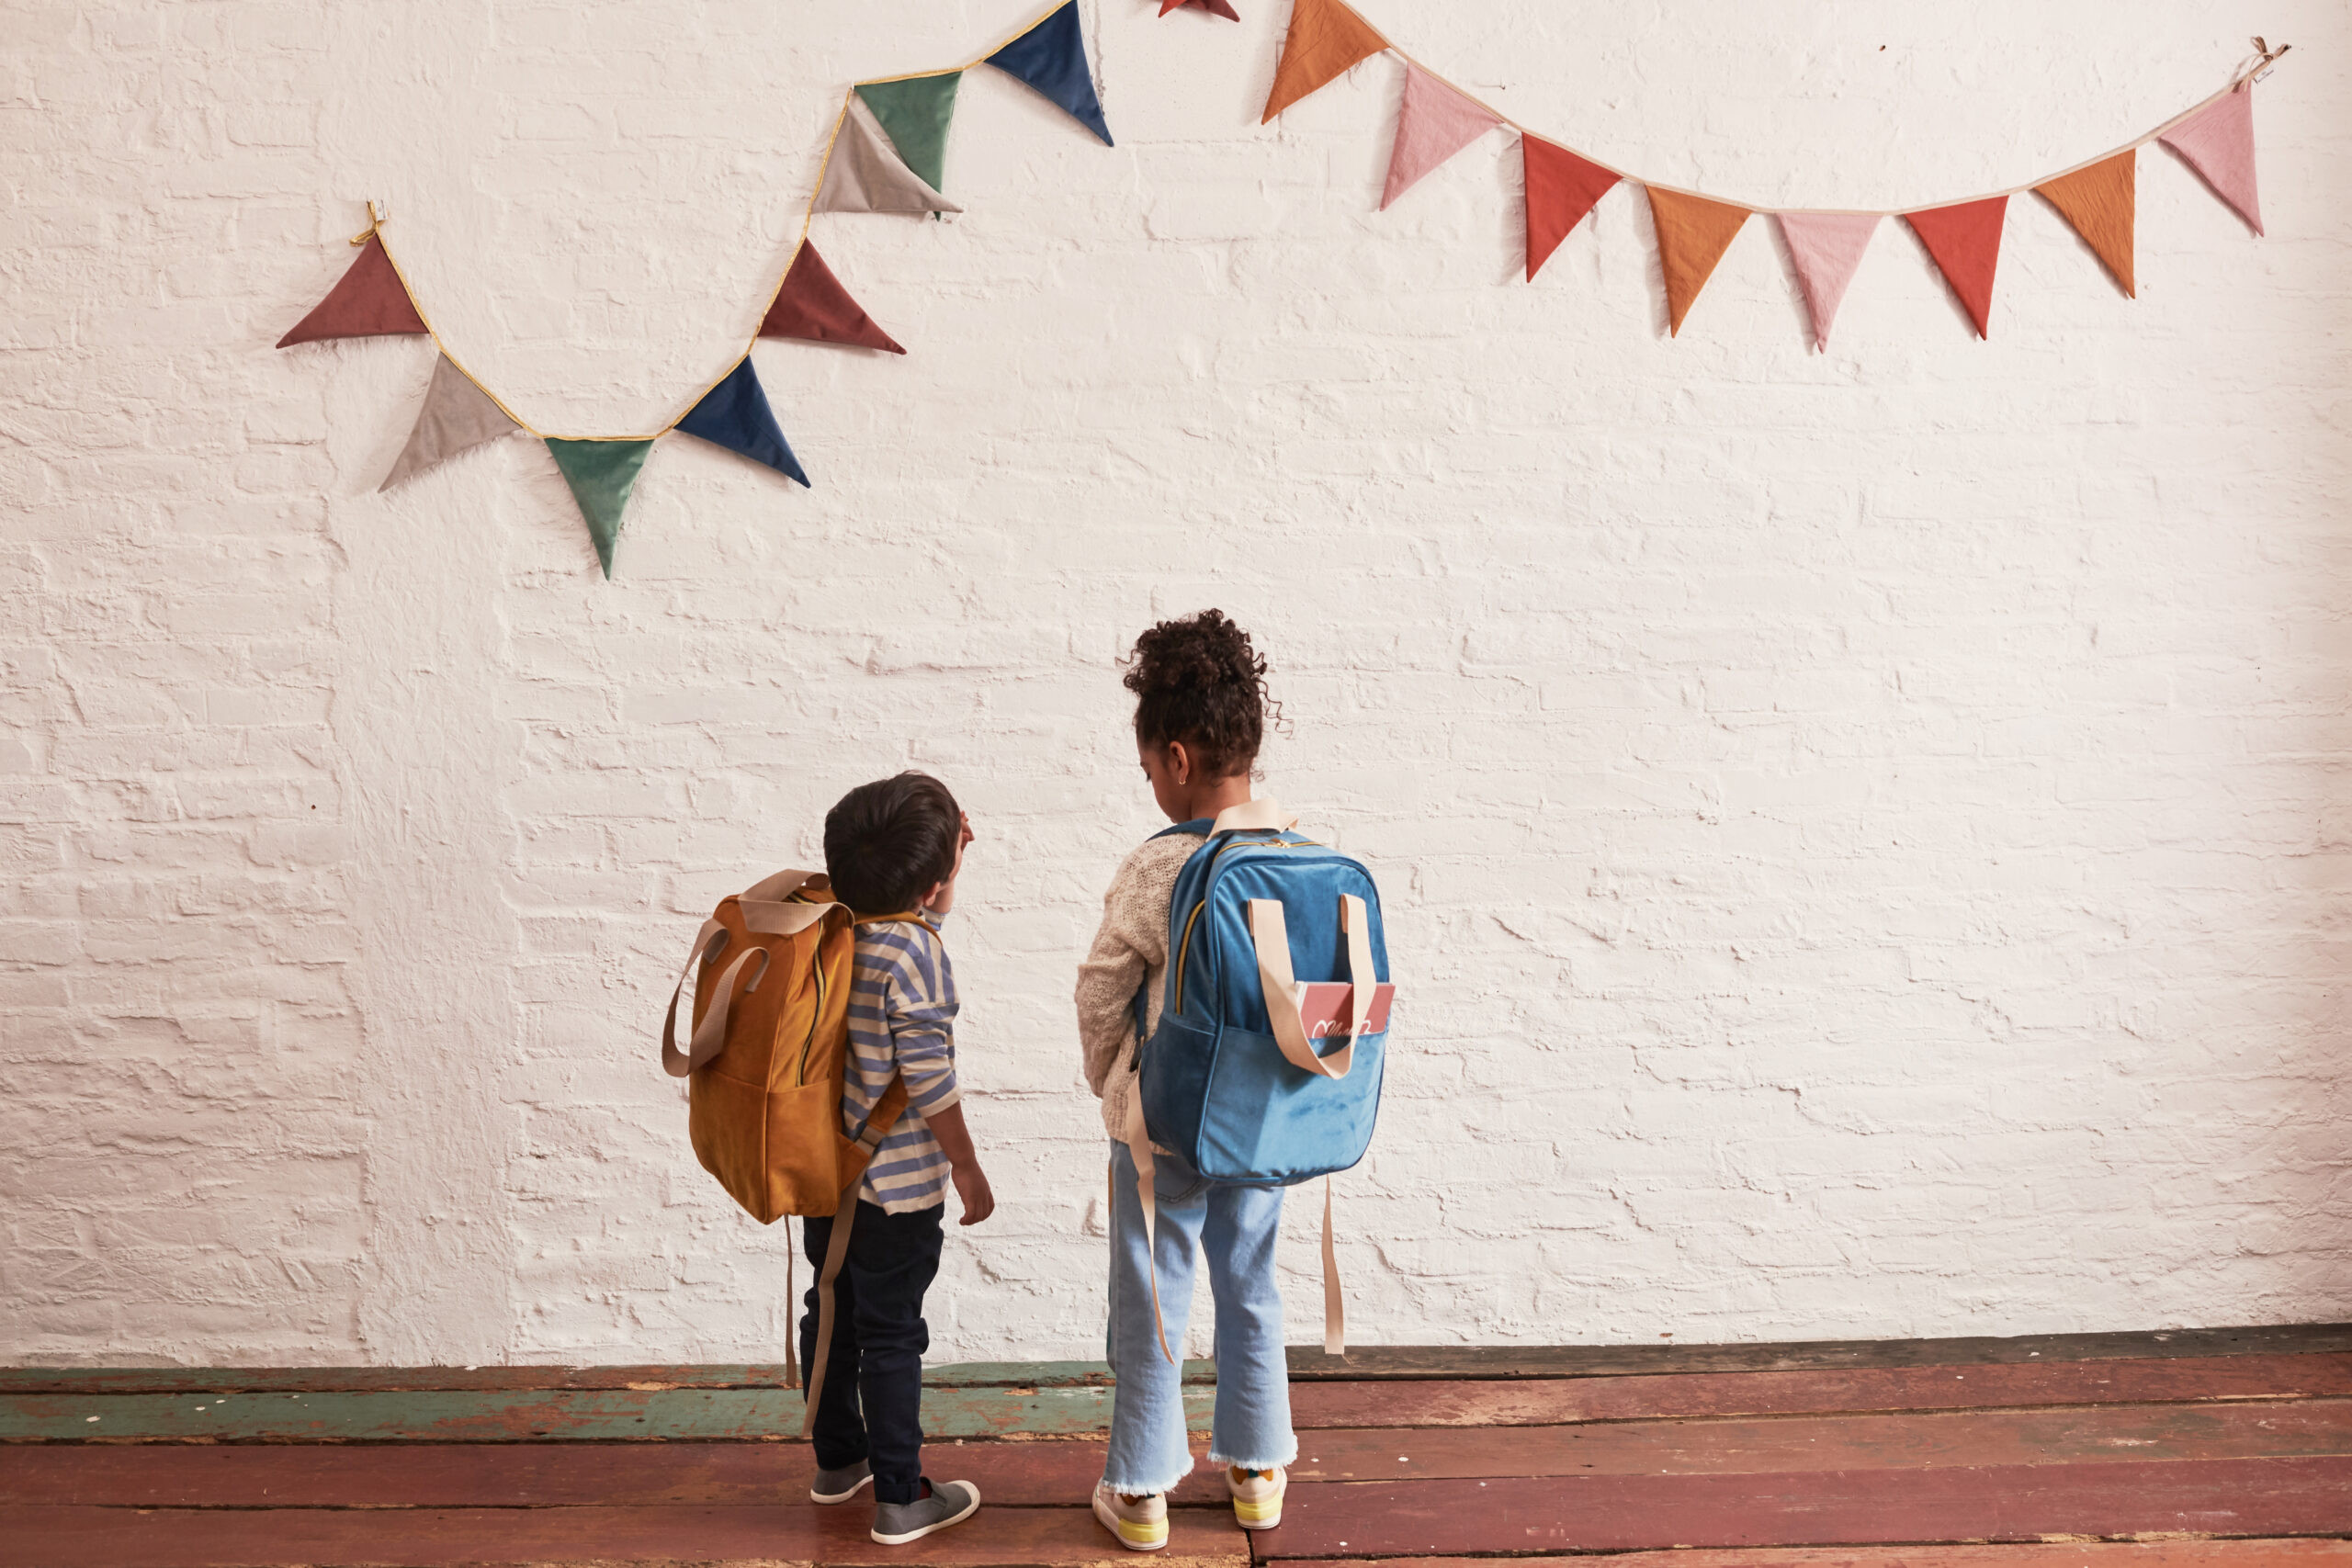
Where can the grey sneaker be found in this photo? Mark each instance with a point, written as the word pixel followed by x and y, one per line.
pixel 840 1486
pixel 950 1503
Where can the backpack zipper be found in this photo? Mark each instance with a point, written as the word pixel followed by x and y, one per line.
pixel 1185 946
pixel 814 1019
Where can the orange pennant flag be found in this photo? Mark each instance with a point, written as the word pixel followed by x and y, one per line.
pixel 2099 202
pixel 1693 235
pixel 1326 37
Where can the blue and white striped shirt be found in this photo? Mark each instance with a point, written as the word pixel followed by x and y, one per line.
pixel 901 1025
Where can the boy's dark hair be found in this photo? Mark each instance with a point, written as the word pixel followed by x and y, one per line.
pixel 886 841
pixel 1198 680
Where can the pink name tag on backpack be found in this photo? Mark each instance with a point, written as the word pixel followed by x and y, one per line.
pixel 1323 1008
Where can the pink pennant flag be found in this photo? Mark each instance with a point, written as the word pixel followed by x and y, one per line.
pixel 1434 123
pixel 1827 248
pixel 2218 142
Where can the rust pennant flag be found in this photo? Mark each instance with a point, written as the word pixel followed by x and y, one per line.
pixel 811 303
pixel 1326 37
pixel 2099 202
pixel 1693 235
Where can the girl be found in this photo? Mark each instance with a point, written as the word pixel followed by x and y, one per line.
pixel 1200 712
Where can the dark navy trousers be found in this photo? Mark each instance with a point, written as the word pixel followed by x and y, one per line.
pixel 871 1406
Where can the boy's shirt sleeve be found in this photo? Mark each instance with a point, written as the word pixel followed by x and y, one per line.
pixel 920 1008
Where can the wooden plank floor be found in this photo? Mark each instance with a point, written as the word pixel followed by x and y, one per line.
pixel 2229 1447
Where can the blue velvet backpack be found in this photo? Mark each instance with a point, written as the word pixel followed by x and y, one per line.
pixel 1266 1068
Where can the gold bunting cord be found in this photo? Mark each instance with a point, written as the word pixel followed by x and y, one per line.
pixel 376 221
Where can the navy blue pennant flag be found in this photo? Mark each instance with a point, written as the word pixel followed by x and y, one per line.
pixel 1051 57
pixel 735 414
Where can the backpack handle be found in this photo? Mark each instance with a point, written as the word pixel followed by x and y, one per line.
pixel 1271 935
pixel 766 907
pixel 1252 814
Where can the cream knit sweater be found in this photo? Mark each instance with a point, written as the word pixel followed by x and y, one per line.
pixel 1130 950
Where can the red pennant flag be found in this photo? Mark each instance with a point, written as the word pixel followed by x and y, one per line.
pixel 370 301
pixel 1213 8
pixel 811 303
pixel 1561 188
pixel 1692 235
pixel 1965 240
pixel 1325 39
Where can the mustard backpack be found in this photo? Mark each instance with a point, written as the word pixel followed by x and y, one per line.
pixel 763 1064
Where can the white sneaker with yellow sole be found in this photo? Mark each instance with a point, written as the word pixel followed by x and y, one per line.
pixel 1140 1526
pixel 1257 1495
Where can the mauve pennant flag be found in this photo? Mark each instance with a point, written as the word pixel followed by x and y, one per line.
pixel 601 474
pixel 1051 57
pixel 1826 247
pixel 1966 241
pixel 811 303
pixel 864 174
pixel 1325 39
pixel 457 416
pixel 369 301
pixel 735 414
pixel 1213 8
pixel 1432 124
pixel 2099 202
pixel 1561 188
pixel 1693 235
pixel 2218 142
pixel 914 113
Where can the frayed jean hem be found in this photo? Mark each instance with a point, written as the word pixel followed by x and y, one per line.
pixel 1229 1461
pixel 1124 1490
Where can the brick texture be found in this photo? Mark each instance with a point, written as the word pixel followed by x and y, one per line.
pixel 1865 834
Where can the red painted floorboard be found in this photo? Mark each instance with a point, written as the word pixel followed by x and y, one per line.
pixel 2258 1496
pixel 2071 1554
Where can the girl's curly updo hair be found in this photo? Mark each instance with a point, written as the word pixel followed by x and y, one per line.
pixel 1198 680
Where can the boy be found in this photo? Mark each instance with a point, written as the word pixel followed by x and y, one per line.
pixel 894 848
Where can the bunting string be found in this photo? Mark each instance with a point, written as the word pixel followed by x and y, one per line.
pixel 1437 118
pixel 885 153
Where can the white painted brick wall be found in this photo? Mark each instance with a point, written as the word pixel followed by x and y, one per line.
pixel 1864 835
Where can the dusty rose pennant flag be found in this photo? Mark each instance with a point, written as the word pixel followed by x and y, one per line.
pixel 1432 124
pixel 457 416
pixel 1693 235
pixel 1325 39
pixel 369 301
pixel 1213 8
pixel 1965 240
pixel 2218 142
pixel 1561 188
pixel 2099 202
pixel 1827 248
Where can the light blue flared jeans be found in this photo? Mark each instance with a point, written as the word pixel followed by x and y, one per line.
pixel 1234 1228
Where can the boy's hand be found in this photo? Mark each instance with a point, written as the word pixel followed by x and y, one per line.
pixel 972 1188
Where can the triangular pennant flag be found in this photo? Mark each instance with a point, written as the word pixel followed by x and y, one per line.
pixel 369 301
pixel 457 416
pixel 1827 248
pixel 2218 142
pixel 601 474
pixel 1325 39
pixel 735 414
pixel 1213 8
pixel 1965 240
pixel 1561 188
pixel 863 174
pixel 1051 57
pixel 1433 123
pixel 914 113
pixel 811 303
pixel 1693 235
pixel 2099 202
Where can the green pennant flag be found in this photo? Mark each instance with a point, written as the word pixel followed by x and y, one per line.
pixel 914 112
pixel 601 474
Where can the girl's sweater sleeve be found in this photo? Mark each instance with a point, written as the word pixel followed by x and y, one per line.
pixel 1131 945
